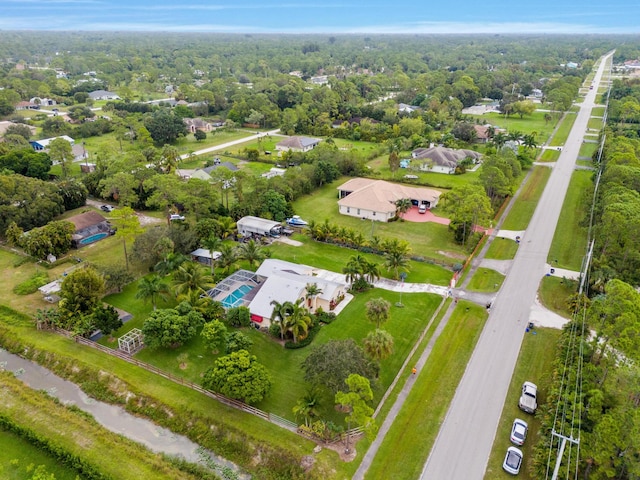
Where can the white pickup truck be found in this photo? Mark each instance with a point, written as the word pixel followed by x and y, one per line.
pixel 528 400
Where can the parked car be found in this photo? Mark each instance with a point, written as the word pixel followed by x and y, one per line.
pixel 528 400
pixel 107 208
pixel 175 216
pixel 519 431
pixel 512 460
pixel 422 208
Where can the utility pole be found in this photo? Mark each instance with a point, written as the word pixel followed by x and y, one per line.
pixel 561 453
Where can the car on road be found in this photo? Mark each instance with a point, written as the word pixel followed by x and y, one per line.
pixel 175 216
pixel 529 399
pixel 107 208
pixel 519 431
pixel 512 460
pixel 422 208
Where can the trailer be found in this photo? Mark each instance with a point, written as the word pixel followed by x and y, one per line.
pixel 251 226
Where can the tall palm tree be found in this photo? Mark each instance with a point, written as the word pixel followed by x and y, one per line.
pixel 354 267
pixel 227 258
pixel 378 310
pixel 170 263
pixel 298 321
pixel 212 243
pixel 529 140
pixel 152 287
pixel 378 344
pixel 280 313
pixel 371 272
pixel 396 262
pixel 191 277
pixel 311 295
pixel 252 252
pixel 227 226
pixel 169 158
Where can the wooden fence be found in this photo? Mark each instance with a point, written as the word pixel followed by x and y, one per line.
pixel 270 417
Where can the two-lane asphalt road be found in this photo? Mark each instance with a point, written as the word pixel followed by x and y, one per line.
pixel 464 443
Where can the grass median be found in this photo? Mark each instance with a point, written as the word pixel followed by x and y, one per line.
pixel 527 201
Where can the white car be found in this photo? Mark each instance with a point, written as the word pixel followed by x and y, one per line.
pixel 422 208
pixel 512 460
pixel 528 400
pixel 175 216
pixel 519 431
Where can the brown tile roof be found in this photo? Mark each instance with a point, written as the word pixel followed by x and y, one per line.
pixel 381 196
pixel 86 219
pixel 443 156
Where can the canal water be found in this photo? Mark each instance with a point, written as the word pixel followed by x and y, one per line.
pixel 113 417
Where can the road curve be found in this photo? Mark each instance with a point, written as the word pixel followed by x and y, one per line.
pixel 462 448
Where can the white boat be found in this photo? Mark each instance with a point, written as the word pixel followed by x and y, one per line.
pixel 296 221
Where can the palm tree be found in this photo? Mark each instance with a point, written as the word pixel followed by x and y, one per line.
pixel 170 263
pixel 371 272
pixel 378 344
pixel 227 258
pixel 354 267
pixel 152 287
pixel 212 243
pixel 169 158
pixel 311 295
pixel 396 262
pixel 227 226
pixel 499 139
pixel 191 277
pixel 298 321
pixel 402 206
pixel 378 310
pixel 307 406
pixel 529 140
pixel 279 313
pixel 252 252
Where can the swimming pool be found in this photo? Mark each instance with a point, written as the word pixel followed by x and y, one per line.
pixel 93 238
pixel 234 299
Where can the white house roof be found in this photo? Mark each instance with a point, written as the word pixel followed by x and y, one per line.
pixel 298 142
pixel 96 94
pixel 203 252
pixel 44 143
pixel 381 196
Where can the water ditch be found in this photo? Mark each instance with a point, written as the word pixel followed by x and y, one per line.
pixel 116 419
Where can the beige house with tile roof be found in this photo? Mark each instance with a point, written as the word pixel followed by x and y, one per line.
pixel 376 199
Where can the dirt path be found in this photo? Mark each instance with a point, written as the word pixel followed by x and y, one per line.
pixel 145 220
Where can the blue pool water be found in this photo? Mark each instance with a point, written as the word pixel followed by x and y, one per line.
pixel 234 299
pixel 93 238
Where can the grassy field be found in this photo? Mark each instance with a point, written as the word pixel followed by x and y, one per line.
pixel 588 149
pixel 534 364
pixel 19 458
pixel 597 111
pixel 528 124
pixel 570 238
pixel 563 130
pixel 595 124
pixel 80 435
pixel 525 204
pixel 502 249
pixel 549 155
pixel 554 293
pixel 426 239
pixel 416 426
pixel 485 280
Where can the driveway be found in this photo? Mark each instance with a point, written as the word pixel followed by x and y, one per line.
pixel 144 219
pixel 412 215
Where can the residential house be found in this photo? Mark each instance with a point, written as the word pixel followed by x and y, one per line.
pixel 353 121
pixel 90 227
pixel 103 95
pixel 197 124
pixel 40 145
pixel 376 199
pixel 27 106
pixel 43 102
pixel 205 173
pixel 202 255
pixel 4 125
pixel 274 172
pixel 482 133
pixel 297 144
pixel 442 159
pixel 404 108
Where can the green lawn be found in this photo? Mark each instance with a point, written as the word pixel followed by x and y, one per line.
pixel 525 204
pixel 18 458
pixel 588 149
pixel 549 155
pixel 597 111
pixel 528 124
pixel 502 249
pixel 570 238
pixel 408 442
pixel 426 239
pixel 555 292
pixel 564 129
pixel 534 364
pixel 334 258
pixel 485 280
pixel 595 124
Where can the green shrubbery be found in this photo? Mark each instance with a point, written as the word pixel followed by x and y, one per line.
pixel 31 285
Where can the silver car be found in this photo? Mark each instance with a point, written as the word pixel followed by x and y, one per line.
pixel 519 431
pixel 512 460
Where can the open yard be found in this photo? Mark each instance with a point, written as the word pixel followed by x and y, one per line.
pixel 485 280
pixel 528 124
pixel 502 249
pixel 526 202
pixel 563 130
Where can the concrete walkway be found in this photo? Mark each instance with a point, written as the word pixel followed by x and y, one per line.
pixel 222 146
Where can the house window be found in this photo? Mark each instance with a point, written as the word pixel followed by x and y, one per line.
pixel 348 210
pixel 358 211
pixel 374 214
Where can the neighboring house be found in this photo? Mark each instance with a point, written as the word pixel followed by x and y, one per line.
pixel 249 226
pixel 319 80
pixel 43 102
pixel 202 255
pixel 376 199
pixel 274 172
pixel 195 124
pixel 90 227
pixel 443 159
pixel 404 108
pixel 205 173
pixel 27 106
pixel 40 145
pixel 297 144
pixel 4 125
pixel 353 121
pixel 103 95
pixel 482 133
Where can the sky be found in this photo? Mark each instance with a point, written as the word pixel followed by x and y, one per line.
pixel 330 16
